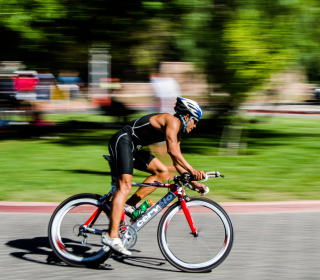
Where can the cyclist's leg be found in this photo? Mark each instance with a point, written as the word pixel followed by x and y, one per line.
pixel 121 151
pixel 123 189
pixel 112 239
pixel 159 172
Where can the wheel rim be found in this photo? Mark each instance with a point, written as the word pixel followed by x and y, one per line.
pixel 69 245
pixel 199 252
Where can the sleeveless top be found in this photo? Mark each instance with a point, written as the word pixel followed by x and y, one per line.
pixel 142 133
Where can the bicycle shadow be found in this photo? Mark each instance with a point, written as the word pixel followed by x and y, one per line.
pixel 38 250
pixel 81 171
pixel 144 262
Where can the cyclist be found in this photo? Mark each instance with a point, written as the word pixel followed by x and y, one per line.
pixel 126 153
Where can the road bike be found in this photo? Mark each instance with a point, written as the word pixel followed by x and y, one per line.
pixel 195 234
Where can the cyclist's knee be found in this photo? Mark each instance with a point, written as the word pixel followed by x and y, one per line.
pixel 157 168
pixel 124 184
pixel 162 173
pixel 125 188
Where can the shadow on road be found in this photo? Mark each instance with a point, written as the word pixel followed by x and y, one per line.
pixel 144 262
pixel 81 171
pixel 38 250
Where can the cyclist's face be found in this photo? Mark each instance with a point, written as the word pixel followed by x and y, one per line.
pixel 191 125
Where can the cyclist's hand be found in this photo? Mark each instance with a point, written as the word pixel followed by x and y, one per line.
pixel 201 188
pixel 198 175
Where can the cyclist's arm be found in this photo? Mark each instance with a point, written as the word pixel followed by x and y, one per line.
pixel 173 147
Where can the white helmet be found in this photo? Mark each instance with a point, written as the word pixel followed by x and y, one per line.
pixel 187 106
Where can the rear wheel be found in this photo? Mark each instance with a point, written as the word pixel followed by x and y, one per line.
pixel 69 241
pixel 198 253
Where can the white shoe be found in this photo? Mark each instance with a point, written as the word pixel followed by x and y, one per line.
pixel 115 244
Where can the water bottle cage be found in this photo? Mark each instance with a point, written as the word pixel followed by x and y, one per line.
pixel 133 217
pixel 139 212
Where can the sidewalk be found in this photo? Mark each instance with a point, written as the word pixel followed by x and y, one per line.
pixel 230 207
pixel 305 108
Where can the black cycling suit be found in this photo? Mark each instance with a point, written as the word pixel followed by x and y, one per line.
pixel 124 150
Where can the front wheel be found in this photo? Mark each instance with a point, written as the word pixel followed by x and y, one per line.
pixel 196 253
pixel 69 241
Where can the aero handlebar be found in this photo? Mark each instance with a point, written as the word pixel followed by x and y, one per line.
pixel 212 174
pixel 185 178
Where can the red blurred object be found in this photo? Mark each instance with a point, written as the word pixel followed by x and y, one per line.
pixel 109 80
pixel 25 83
pixel 101 101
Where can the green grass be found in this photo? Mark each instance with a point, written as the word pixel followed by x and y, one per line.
pixel 281 162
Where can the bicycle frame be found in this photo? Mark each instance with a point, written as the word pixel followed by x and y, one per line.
pixel 175 190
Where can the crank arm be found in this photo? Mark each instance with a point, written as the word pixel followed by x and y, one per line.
pixel 93 231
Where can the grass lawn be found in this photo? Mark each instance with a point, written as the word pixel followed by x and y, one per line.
pixel 281 162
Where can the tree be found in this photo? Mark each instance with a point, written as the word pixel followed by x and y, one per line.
pixel 57 34
pixel 240 44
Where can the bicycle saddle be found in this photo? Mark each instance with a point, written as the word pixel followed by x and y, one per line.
pixel 108 158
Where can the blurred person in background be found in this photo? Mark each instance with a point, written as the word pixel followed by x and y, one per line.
pixel 166 90
pixel 126 152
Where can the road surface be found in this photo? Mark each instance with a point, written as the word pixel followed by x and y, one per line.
pixel 268 245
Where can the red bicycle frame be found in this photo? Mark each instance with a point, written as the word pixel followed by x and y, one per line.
pixel 175 191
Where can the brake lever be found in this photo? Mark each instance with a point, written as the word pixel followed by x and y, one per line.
pixel 207 190
pixel 195 189
pixel 189 186
pixel 205 179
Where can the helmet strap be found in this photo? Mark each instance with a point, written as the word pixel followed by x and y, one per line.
pixel 185 124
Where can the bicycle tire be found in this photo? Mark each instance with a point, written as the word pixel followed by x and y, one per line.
pixel 204 253
pixel 63 229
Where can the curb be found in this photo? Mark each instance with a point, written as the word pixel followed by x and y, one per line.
pixel 261 111
pixel 28 207
pixel 230 207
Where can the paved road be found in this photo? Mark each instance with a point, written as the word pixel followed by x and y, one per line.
pixel 268 245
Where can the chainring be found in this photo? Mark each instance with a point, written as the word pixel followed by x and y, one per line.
pixel 128 235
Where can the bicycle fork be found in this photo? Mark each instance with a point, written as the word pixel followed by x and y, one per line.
pixel 188 216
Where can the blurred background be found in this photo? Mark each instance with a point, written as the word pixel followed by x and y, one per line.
pixel 72 73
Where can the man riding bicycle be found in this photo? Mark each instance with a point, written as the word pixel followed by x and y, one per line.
pixel 126 153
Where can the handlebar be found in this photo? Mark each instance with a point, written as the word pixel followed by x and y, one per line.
pixel 185 178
